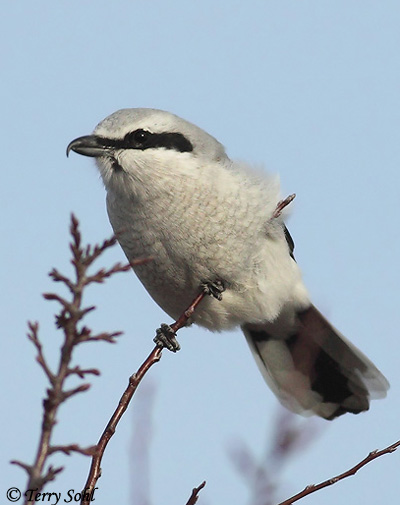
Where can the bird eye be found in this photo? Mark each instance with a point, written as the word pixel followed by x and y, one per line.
pixel 138 137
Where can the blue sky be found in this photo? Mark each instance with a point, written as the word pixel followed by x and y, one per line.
pixel 306 89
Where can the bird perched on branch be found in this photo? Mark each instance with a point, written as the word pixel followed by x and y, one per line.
pixel 175 196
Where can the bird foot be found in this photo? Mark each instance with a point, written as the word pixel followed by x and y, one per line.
pixel 214 288
pixel 166 338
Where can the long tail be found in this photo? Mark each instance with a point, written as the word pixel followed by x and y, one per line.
pixel 312 368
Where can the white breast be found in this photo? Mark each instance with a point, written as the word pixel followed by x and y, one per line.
pixel 219 231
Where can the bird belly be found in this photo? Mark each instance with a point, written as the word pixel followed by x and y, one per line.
pixel 256 289
pixel 256 269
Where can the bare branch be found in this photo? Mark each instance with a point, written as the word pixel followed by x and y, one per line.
pixel 58 277
pixel 49 475
pixel 69 320
pixel 69 449
pixel 185 316
pixel 54 297
pixel 195 494
pixel 71 392
pixel 27 468
pixel 312 488
pixel 104 274
pixel 282 204
pixel 134 381
pixel 86 336
pixel 81 372
pixel 33 336
pixel 99 249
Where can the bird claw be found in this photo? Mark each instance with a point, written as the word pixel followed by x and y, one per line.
pixel 213 288
pixel 166 338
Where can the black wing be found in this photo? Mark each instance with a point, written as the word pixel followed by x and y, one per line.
pixel 289 240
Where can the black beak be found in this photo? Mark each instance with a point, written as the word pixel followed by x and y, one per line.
pixel 89 145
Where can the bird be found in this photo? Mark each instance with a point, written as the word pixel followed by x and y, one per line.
pixel 174 195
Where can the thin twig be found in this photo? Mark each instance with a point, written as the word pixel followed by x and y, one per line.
pixel 185 316
pixel 134 381
pixel 69 320
pixel 69 449
pixel 312 488
pixel 195 494
pixel 282 204
pixel 34 338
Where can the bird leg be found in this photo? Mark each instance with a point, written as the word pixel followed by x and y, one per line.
pixel 166 334
pixel 213 288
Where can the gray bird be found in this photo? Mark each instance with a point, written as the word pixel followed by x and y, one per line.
pixel 174 195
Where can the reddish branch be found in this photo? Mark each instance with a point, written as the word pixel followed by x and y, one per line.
pixel 195 494
pixel 134 381
pixel 69 320
pixel 316 487
pixel 282 204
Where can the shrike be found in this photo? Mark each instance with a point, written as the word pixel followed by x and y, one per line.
pixel 175 196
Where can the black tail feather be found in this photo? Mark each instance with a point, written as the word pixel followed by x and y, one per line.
pixel 314 369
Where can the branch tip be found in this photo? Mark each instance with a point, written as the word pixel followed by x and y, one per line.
pixel 195 492
pixel 333 480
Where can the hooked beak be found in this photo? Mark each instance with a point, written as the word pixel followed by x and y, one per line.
pixel 89 145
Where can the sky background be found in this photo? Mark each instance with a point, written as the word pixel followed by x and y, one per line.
pixel 306 89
